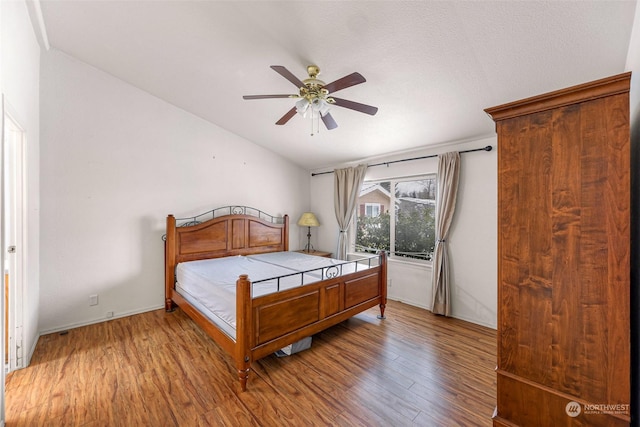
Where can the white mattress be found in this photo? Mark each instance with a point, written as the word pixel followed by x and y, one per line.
pixel 210 285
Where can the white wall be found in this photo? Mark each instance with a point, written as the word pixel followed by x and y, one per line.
pixel 19 83
pixel 115 162
pixel 473 235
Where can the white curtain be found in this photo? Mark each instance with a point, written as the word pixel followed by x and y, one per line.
pixel 347 184
pixel 448 174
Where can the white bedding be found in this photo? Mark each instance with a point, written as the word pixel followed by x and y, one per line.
pixel 210 285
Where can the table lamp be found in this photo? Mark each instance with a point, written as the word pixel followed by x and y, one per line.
pixel 308 219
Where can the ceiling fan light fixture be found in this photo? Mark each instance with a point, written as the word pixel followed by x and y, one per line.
pixel 302 106
pixel 314 100
pixel 307 107
pixel 320 105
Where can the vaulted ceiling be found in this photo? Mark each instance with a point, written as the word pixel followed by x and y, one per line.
pixel 431 66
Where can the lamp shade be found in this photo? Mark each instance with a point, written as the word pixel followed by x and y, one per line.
pixel 308 219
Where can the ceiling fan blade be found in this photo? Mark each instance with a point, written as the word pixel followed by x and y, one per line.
pixel 329 122
pixel 345 82
pixel 267 96
pixel 363 108
pixel 284 119
pixel 288 75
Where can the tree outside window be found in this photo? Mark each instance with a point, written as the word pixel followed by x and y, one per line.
pixel 408 228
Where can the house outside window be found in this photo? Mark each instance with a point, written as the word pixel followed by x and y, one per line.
pixel 397 215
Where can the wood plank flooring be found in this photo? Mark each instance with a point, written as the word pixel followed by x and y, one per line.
pixel 160 369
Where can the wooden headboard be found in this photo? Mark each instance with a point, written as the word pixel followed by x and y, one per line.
pixel 241 231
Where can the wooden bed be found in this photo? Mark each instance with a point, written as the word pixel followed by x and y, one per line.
pixel 270 322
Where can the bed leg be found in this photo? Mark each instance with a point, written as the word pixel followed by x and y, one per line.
pixel 243 376
pixel 381 315
pixel 169 305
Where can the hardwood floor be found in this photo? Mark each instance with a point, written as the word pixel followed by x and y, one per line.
pixel 160 369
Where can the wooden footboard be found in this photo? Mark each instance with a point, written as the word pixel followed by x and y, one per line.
pixel 273 321
pixel 270 322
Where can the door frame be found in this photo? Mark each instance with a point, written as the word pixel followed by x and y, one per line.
pixel 13 161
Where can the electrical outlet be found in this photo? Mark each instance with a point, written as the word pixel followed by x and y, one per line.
pixel 93 299
pixel 389 283
pixel 109 314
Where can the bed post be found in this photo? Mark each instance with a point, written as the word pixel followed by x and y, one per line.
pixel 244 328
pixel 383 283
pixel 286 233
pixel 169 263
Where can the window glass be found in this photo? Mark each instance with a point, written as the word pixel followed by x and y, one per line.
pixel 372 209
pixel 398 214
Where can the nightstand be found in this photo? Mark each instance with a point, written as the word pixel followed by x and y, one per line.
pixel 316 253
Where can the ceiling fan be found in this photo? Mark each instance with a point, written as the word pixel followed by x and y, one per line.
pixel 313 95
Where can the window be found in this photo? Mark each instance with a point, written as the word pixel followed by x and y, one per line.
pixel 371 209
pixel 398 216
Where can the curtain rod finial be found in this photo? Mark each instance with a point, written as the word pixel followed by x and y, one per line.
pixel 488 148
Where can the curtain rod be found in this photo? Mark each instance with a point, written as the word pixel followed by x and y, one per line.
pixel 487 148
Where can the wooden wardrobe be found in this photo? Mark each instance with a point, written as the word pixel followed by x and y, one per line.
pixel 564 257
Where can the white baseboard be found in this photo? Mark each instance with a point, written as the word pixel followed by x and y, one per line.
pixel 100 320
pixel 474 321
pixel 412 303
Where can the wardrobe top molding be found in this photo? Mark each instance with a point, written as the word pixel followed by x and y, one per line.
pixel 613 85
